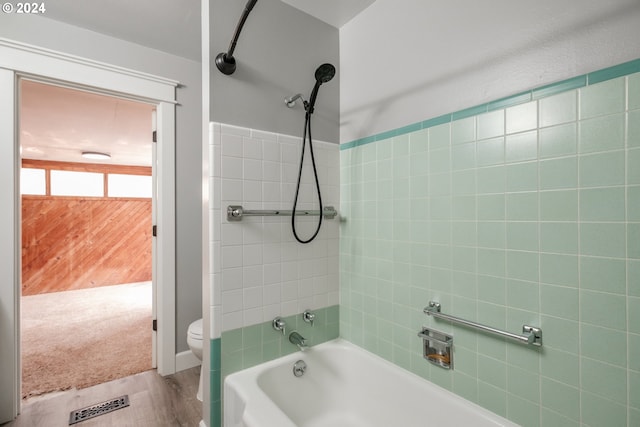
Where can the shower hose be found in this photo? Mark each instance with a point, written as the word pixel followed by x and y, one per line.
pixel 307 131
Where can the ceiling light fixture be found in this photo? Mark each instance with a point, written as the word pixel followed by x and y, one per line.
pixel 95 155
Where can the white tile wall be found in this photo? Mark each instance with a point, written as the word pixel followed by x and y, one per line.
pixel 258 269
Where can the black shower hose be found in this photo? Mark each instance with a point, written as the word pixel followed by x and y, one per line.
pixel 307 131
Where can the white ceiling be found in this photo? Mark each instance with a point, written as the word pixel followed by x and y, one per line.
pixel 333 12
pixel 57 124
pixel 173 26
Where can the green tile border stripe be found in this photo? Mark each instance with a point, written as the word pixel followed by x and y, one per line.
pixel 215 380
pixel 510 101
pixel 599 76
pixel 469 112
pixel 563 86
pixel 614 72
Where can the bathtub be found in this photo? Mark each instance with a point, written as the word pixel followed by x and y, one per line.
pixel 343 386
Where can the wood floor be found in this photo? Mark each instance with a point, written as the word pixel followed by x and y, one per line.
pixel 154 402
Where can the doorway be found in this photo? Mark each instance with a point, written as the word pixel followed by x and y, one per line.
pixel 86 191
pixel 23 61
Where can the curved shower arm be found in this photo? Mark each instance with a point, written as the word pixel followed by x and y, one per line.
pixel 245 14
pixel 225 61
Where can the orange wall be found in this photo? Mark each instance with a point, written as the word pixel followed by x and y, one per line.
pixel 74 243
pixel 84 242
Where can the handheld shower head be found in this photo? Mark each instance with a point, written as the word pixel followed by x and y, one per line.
pixel 324 73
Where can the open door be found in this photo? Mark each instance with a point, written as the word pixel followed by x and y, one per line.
pixel 84 234
pixel 18 59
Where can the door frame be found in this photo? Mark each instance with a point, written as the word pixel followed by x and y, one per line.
pixel 22 60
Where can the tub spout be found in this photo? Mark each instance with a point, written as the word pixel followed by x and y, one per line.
pixel 297 339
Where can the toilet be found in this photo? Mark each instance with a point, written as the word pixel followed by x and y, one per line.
pixel 194 339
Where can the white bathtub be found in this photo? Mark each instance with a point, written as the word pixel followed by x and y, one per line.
pixel 343 386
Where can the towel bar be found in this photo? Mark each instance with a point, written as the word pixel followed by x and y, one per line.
pixel 531 335
pixel 236 213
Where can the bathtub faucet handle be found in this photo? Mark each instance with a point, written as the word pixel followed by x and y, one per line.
pixel 309 316
pixel 279 325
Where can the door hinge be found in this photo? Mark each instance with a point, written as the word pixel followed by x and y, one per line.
pixel 154 136
pixel 155 325
pixel 154 230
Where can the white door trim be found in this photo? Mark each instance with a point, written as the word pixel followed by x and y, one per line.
pixel 165 266
pixel 77 71
pixel 18 59
pixel 9 261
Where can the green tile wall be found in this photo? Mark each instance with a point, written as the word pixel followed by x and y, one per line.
pixel 246 347
pixel 521 211
pixel 216 383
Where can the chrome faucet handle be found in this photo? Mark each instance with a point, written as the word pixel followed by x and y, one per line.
pixel 279 325
pixel 309 316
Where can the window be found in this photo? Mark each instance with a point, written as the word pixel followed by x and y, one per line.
pixel 42 178
pixel 72 183
pixel 33 181
pixel 121 185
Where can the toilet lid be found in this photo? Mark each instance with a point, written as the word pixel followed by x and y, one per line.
pixel 195 329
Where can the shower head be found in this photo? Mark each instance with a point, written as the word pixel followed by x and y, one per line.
pixel 324 73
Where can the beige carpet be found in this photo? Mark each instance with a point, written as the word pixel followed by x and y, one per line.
pixel 76 339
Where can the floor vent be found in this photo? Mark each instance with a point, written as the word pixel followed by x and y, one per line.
pixel 98 409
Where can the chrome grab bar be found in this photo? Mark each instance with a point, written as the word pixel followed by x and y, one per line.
pixel 531 335
pixel 235 213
